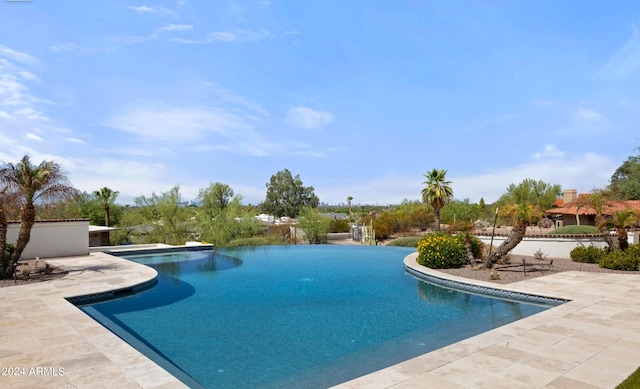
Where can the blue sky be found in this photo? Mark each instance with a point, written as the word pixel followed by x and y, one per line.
pixel 361 98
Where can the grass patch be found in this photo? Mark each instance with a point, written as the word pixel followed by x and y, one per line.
pixel 407 241
pixel 632 382
pixel 575 230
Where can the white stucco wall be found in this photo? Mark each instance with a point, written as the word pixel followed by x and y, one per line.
pixel 53 239
pixel 554 247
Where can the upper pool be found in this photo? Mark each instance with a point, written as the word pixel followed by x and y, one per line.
pixel 293 316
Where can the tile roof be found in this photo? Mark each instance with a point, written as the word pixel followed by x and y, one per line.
pixel 572 207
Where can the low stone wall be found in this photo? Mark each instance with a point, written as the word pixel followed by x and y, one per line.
pixel 555 246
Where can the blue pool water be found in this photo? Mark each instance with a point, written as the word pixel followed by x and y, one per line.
pixel 293 316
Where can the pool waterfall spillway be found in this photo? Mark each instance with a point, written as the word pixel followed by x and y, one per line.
pixel 224 318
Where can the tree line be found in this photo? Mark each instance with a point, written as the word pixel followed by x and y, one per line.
pixel 29 192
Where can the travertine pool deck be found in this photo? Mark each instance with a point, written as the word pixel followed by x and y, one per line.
pixel 593 341
pixel 39 328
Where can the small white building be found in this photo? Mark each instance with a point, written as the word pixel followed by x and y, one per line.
pixel 99 235
pixel 53 238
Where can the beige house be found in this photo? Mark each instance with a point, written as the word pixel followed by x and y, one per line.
pixel 569 211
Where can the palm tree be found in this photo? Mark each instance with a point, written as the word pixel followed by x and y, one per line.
pixel 4 263
pixel 437 192
pixel 107 197
pixel 598 200
pixel 621 220
pixel 524 215
pixel 30 183
pixel 349 199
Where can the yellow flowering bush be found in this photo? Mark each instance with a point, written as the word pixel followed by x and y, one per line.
pixel 441 251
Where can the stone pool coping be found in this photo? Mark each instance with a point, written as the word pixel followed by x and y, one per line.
pixel 593 341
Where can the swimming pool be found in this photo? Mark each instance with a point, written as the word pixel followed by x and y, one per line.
pixel 293 316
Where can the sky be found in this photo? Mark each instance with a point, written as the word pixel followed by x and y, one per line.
pixel 360 98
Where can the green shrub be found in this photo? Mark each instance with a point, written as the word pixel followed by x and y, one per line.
pixel 441 251
pixel 589 254
pixel 575 230
pixel 622 260
pixel 251 242
pixel 385 225
pixel 336 225
pixel 476 245
pixel 408 241
pixel 5 260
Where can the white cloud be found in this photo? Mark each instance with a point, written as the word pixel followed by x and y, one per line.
pixel 71 46
pixel 176 123
pixel 30 114
pixel 247 35
pixel 587 115
pixel 144 9
pixel 129 176
pixel 17 56
pixel 550 151
pixel 187 41
pixel 543 102
pixel 577 171
pixel 76 140
pixel 12 91
pixel 175 27
pixel 28 75
pixel 223 36
pixel 34 137
pixel 228 36
pixel 5 115
pixel 141 9
pixel 14 80
pixel 229 127
pixel 64 47
pixel 307 118
pixel 132 39
pixel 626 61
pixel 228 97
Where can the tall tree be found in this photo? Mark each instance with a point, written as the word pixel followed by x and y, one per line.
pixel 215 198
pixel 107 197
pixel 163 218
pixel 349 199
pixel 437 192
pixel 598 200
pixel 537 193
pixel 459 210
pixel 4 259
pixel 29 184
pixel 524 204
pixel 286 195
pixel 523 215
pixel 625 181
pixel 313 224
pixel 623 219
